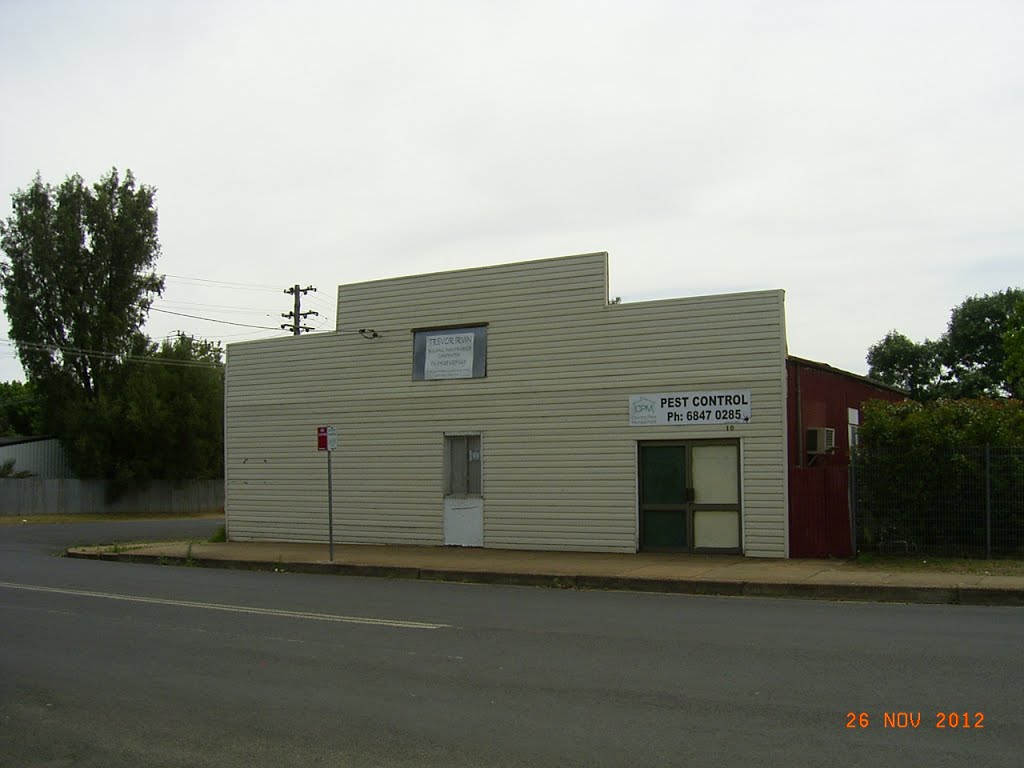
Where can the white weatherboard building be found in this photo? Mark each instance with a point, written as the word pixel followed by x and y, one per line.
pixel 515 407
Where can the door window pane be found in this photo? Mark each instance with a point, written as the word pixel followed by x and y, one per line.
pixel 715 474
pixel 664 529
pixel 716 529
pixel 663 473
pixel 463 462
pixel 473 465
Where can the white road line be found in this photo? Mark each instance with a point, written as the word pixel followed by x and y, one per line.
pixel 231 608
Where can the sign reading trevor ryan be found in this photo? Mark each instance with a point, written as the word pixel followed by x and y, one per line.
pixel 449 356
pixel 681 409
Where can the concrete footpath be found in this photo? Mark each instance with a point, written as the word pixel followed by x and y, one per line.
pixel 730 575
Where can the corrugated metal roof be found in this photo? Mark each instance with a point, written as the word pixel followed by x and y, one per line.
pixel 840 372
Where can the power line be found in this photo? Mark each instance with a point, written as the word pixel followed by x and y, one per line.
pixel 228 309
pixel 241 310
pixel 316 299
pixel 224 283
pixel 112 355
pixel 225 308
pixel 213 320
pixel 247 333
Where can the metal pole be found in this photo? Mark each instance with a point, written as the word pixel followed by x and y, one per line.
pixel 988 501
pixel 330 506
pixel 852 501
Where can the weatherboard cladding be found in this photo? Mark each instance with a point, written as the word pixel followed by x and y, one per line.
pixel 559 455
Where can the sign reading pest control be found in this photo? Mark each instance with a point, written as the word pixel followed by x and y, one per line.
pixel 681 409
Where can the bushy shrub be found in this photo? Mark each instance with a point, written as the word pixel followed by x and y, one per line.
pixel 944 477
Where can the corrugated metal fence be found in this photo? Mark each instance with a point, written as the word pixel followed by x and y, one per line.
pixel 45 496
pixel 819 515
pixel 40 456
pixel 965 501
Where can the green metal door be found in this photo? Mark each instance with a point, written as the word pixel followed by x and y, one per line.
pixel 664 522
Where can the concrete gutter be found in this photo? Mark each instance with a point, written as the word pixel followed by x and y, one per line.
pixel 666 573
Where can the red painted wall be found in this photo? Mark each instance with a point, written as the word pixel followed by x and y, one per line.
pixel 819 508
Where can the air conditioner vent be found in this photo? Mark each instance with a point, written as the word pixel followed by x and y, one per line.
pixel 821 440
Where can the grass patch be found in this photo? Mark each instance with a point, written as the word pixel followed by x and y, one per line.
pixel 220 536
pixel 978 567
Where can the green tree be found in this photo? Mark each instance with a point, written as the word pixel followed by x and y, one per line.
pixel 969 360
pixel 77 287
pixel 79 281
pixel 900 362
pixel 1013 347
pixel 974 352
pixel 19 409
pixel 162 418
pixel 913 428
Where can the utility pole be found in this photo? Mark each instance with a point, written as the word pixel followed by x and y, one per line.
pixel 297 315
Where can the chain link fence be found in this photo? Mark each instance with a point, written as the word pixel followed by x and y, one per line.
pixel 959 502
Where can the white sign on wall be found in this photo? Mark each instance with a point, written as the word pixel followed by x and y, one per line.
pixel 681 409
pixel 448 356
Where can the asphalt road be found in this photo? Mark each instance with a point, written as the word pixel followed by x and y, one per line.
pixel 114 664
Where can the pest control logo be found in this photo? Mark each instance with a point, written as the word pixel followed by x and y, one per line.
pixel 642 410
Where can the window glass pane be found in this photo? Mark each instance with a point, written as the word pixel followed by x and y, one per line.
pixel 716 474
pixel 664 528
pixel 463 465
pixel 716 529
pixel 473 483
pixel 456 465
pixel 663 469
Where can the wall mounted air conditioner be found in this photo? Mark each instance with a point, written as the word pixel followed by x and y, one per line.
pixel 821 440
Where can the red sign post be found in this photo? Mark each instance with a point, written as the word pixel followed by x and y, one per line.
pixel 327 440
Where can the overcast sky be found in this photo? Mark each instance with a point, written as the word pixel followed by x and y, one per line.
pixel 864 156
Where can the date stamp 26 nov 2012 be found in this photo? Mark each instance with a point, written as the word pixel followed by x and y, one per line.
pixel 901 720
